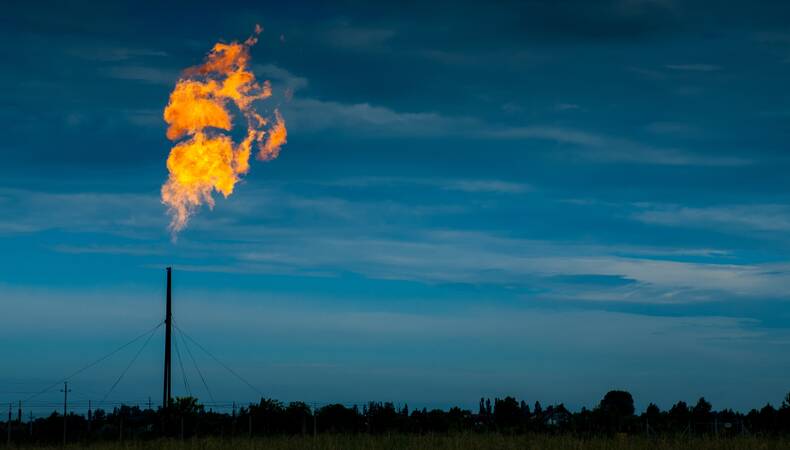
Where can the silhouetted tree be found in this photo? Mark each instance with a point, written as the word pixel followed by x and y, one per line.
pixel 701 414
pixel 679 416
pixel 507 413
pixel 524 409
pixel 615 407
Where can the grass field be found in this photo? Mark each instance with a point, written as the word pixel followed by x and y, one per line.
pixel 449 442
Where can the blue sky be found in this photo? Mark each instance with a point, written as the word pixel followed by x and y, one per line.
pixel 541 199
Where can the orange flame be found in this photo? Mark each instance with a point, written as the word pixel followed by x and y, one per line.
pixel 208 160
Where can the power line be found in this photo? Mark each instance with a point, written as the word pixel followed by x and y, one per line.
pixel 151 335
pixel 194 362
pixel 181 364
pixel 220 362
pixel 84 368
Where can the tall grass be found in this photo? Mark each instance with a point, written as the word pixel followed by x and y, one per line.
pixel 447 442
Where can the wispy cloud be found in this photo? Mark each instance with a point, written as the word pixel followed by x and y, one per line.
pixel 118 213
pixel 102 53
pixel 330 240
pixel 311 115
pixel 693 67
pixel 351 37
pixel 147 74
pixel 479 258
pixel 465 185
pixel 603 148
pixel 566 106
pixel 278 74
pixel 308 114
pixel 768 218
pixel 674 129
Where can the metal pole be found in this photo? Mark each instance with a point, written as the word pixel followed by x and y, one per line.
pixel 65 408
pixel 167 391
pixel 8 424
pixel 233 423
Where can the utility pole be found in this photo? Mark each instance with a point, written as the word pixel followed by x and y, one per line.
pixel 167 391
pixel 315 420
pixel 90 416
pixel 30 423
pixel 19 412
pixel 8 425
pixel 65 391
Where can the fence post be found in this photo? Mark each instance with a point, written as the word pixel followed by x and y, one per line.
pixel 8 425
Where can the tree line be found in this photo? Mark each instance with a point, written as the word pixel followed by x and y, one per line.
pixel 187 418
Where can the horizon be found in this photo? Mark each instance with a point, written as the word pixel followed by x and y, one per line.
pixel 546 200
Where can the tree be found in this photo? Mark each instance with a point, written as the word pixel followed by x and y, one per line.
pixel 524 409
pixel 652 417
pixel 652 411
pixel 702 411
pixel 507 412
pixel 615 407
pixel 618 403
pixel 679 416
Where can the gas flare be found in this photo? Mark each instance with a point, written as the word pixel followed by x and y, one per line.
pixel 205 159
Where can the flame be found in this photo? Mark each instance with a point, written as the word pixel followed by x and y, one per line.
pixel 205 159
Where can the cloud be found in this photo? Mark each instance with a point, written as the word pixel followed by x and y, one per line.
pixel 674 129
pixel 493 186
pixel 694 67
pixel 566 106
pixel 283 76
pixel 308 115
pixel 772 37
pixel 472 257
pixel 602 148
pixel 147 74
pixel 101 53
pixel 312 115
pixel 350 37
pixel 134 250
pixel 118 213
pixel 396 242
pixel 465 185
pixel 762 218
pixel 363 119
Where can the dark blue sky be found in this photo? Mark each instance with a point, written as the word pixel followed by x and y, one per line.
pixel 542 199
